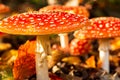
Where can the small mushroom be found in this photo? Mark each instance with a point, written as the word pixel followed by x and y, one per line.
pixel 102 28
pixel 80 46
pixel 4 8
pixel 42 24
pixel 81 10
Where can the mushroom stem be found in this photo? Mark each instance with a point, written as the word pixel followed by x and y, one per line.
pixel 52 2
pixel 42 49
pixel 64 41
pixel 72 3
pixel 104 53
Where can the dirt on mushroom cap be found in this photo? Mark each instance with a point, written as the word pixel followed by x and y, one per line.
pixel 41 23
pixel 101 27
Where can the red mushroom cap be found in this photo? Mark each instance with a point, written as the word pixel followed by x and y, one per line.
pixel 4 8
pixel 41 23
pixel 80 46
pixel 101 27
pixel 72 9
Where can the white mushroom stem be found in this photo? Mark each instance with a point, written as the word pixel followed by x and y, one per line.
pixel 52 2
pixel 72 3
pixel 42 49
pixel 64 41
pixel 104 46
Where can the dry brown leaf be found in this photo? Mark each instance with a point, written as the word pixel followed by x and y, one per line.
pixel 24 65
pixel 91 62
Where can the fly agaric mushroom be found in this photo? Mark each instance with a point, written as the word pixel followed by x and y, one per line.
pixel 4 8
pixel 79 46
pixel 71 9
pixel 64 41
pixel 102 28
pixel 42 24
